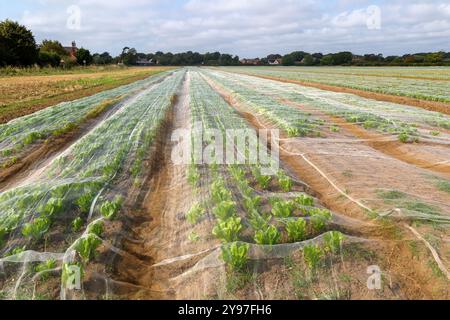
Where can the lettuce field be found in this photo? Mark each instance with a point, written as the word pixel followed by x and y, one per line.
pixel 338 188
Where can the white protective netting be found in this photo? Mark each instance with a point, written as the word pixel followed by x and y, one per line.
pixel 60 205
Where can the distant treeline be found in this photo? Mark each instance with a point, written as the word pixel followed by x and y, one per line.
pixel 19 48
pixel 347 58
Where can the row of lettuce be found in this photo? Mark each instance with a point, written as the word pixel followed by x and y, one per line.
pixel 78 191
pixel 409 84
pixel 247 205
pixel 17 135
pixel 262 96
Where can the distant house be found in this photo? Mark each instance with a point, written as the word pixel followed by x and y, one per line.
pixel 144 62
pixel 250 62
pixel 275 62
pixel 72 51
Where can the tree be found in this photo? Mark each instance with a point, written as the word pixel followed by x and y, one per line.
pixel 129 56
pixel 49 59
pixel 274 57
pixel 435 57
pixel 104 58
pixel 342 58
pixel 308 60
pixel 298 56
pixel 84 56
pixel 288 60
pixel 54 47
pixel 17 45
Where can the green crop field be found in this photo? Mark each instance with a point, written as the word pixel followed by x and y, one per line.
pixel 220 183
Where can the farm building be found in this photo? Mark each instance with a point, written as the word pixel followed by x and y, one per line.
pixel 145 62
pixel 275 62
pixel 72 51
pixel 253 62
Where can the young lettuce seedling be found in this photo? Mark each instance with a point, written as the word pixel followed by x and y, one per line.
pixel 44 268
pixel 268 236
pixel 77 224
pixel 225 210
pixel 285 182
pixel 228 231
pixel 296 230
pixel 312 255
pixel 319 218
pixel 96 228
pixel 195 213
pixel 333 241
pixel 37 228
pixel 235 255
pixel 283 209
pixel 86 247
pixel 110 209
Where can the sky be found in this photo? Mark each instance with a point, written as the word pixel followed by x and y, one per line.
pixel 248 28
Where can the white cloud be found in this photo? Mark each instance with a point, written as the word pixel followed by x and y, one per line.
pixel 248 28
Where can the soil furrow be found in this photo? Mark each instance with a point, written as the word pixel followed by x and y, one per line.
pixel 161 208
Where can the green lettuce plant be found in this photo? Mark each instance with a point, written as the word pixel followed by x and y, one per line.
pixel 37 228
pixel 86 247
pixel 252 203
pixel 285 182
pixel 312 255
pixel 195 213
pixel 225 210
pixel 262 180
pixel 319 218
pixel 16 251
pixel 96 228
pixel 235 255
pixel 44 267
pixel 267 236
pixel 77 224
pixel 258 221
pixel 283 209
pixel 333 241
pixel 219 192
pixel 54 206
pixel 85 201
pixel 229 230
pixel 109 209
pixel 296 230
pixel 304 200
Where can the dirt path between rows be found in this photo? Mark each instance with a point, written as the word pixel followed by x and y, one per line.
pixel 159 222
pixel 408 153
pixel 424 104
